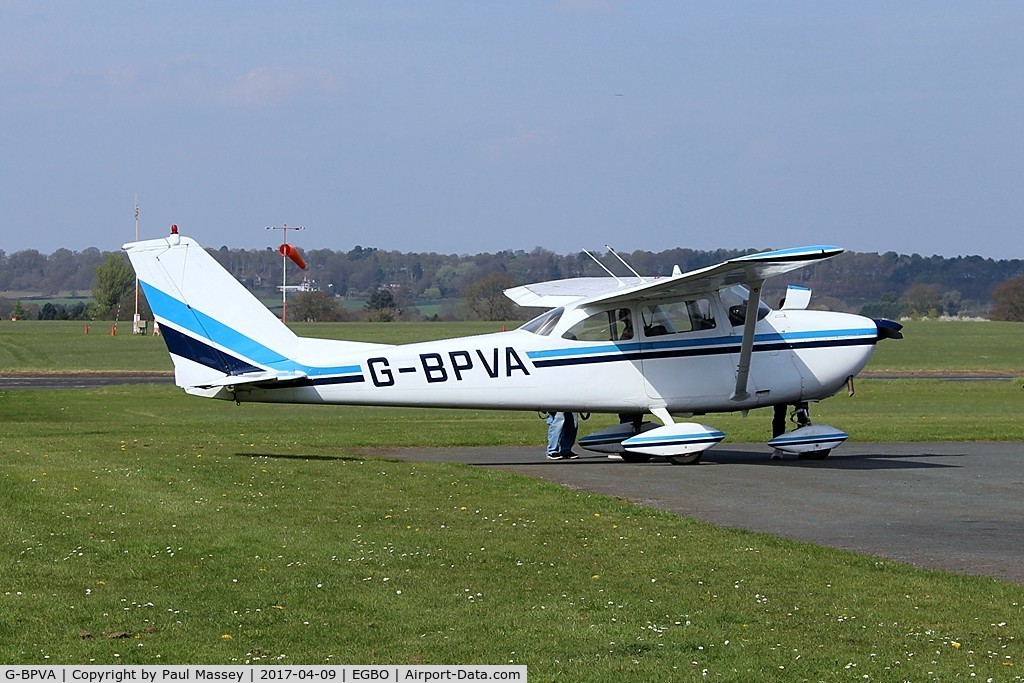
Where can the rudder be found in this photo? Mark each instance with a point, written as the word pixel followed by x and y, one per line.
pixel 212 325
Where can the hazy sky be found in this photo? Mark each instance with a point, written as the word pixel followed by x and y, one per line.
pixel 461 127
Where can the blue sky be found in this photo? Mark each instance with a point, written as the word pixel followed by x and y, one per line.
pixel 461 127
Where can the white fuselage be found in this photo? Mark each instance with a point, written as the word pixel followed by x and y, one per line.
pixel 797 356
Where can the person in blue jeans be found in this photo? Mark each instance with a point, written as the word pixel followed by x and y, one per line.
pixel 561 436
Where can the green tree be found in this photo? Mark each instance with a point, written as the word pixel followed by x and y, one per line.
pixel 114 283
pixel 485 298
pixel 888 306
pixel 1008 300
pixel 923 299
pixel 315 307
pixel 380 307
pixel 19 312
pixel 952 301
pixel 48 312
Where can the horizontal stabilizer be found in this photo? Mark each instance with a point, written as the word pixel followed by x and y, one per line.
pixel 255 378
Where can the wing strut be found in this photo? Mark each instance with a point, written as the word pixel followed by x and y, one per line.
pixel 603 267
pixel 623 261
pixel 747 347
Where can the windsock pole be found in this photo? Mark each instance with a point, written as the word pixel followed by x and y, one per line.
pixel 286 251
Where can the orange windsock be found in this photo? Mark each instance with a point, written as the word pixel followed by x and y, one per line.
pixel 292 253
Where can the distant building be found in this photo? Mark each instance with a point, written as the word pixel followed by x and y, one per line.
pixel 306 286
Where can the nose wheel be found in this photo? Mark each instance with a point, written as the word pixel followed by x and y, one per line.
pixel 808 441
pixel 801 416
pixel 688 459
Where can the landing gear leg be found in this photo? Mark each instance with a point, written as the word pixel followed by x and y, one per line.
pixel 801 415
pixel 635 419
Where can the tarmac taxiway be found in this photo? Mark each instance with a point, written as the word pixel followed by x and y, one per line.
pixel 951 506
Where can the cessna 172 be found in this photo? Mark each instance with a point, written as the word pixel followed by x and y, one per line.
pixel 702 342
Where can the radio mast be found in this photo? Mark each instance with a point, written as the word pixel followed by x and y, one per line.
pixel 136 327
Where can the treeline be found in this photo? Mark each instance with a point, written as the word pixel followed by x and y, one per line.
pixel 896 284
pixel 453 285
pixel 63 271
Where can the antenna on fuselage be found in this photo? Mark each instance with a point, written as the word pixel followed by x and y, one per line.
pixel 605 269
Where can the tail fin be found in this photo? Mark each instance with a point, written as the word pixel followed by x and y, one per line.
pixel 212 325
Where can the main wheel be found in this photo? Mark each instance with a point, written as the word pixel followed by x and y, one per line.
pixel 634 457
pixel 688 459
pixel 816 455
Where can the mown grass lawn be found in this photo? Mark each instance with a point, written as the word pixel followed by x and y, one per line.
pixel 140 525
pixel 953 346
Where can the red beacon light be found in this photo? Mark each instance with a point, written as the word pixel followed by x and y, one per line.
pixel 174 238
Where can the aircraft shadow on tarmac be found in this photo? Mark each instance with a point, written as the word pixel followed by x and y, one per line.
pixel 879 460
pixel 840 461
pixel 854 461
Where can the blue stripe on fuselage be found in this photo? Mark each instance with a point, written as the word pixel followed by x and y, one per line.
pixel 651 350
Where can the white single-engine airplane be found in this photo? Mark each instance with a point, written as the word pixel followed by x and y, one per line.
pixel 682 345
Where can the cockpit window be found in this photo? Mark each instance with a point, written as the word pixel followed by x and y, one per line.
pixel 675 317
pixel 544 323
pixel 735 301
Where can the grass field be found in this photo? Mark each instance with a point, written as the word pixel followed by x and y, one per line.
pixel 955 346
pixel 32 346
pixel 139 525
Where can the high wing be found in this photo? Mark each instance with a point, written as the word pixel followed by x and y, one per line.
pixel 555 293
pixel 749 270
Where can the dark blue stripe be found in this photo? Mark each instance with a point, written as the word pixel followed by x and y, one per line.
pixel 198 325
pixel 673 442
pixel 807 441
pixel 203 326
pixel 687 352
pixel 194 350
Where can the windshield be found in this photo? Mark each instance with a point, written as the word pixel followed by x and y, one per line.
pixel 544 323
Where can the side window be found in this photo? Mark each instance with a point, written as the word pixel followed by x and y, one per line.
pixel 677 317
pixel 613 325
